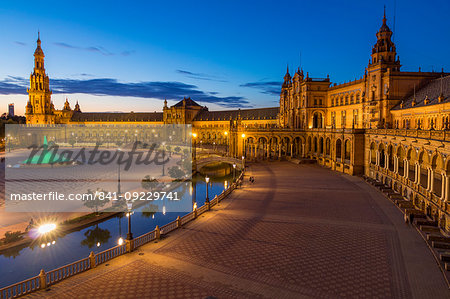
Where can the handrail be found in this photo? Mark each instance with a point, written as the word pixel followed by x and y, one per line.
pixel 43 280
pixel 21 288
pixel 109 254
pixel 66 271
pixel 144 239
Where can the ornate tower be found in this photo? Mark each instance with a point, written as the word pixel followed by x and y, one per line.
pixel 39 109
pixel 285 99
pixel 382 63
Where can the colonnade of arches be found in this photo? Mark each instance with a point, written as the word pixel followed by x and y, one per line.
pixel 275 147
pixel 413 169
pixel 426 170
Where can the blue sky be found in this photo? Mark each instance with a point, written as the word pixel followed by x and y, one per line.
pixel 130 55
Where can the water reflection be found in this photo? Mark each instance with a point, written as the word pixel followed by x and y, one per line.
pixel 19 263
pixel 96 237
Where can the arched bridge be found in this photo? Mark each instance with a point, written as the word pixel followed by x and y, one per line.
pixel 205 160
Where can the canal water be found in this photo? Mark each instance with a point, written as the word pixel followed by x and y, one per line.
pixel 20 264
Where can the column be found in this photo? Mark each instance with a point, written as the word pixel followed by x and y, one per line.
pixel 430 179
pixel 303 150
pixel 292 148
pixel 377 158
pixel 416 175
pixel 447 187
pixel 395 164
pixel 443 185
pixel 279 150
pixel 386 161
pixel 405 168
pixel 268 150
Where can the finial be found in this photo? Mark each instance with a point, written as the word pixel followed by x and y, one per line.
pixel 384 15
pixel 287 69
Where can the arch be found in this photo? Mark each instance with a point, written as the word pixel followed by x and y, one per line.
pixel 373 153
pixel 321 145
pixel 315 144
pixel 423 171
pixel 318 120
pixel 338 154
pixel 390 157
pixel 400 160
pixel 437 164
pixel 328 146
pixel 347 149
pixel 309 144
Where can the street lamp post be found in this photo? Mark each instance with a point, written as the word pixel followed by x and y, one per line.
pixel 118 175
pixel 243 162
pixel 234 171
pixel 129 234
pixel 164 157
pixel 207 181
pixel 243 144
pixel 194 136
pixel 226 142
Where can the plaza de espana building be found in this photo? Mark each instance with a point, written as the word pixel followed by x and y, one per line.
pixel 389 125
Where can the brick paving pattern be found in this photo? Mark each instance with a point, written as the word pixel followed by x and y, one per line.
pixel 298 231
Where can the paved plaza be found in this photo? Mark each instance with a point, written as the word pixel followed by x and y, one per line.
pixel 298 231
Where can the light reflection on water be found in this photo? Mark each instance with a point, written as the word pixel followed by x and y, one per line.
pixel 20 264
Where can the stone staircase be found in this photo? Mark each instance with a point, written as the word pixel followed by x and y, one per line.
pixel 439 243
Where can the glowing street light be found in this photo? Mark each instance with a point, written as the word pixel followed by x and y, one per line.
pixel 194 136
pixel 46 228
pixel 120 241
pixel 226 142
pixel 207 181
pixel 129 234
pixel 243 143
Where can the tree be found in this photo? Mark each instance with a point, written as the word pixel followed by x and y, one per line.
pixel 97 199
pixel 149 210
pixel 95 236
pixel 72 141
pixel 12 237
pixel 176 173
pixel 149 183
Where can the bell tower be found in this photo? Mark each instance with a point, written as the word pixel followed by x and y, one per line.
pixel 382 63
pixel 39 109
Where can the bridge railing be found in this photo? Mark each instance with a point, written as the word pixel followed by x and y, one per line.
pixel 44 280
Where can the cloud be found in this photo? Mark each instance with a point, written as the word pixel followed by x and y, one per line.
pixel 111 87
pixel 20 43
pixel 272 88
pixel 200 76
pixel 127 53
pixel 95 49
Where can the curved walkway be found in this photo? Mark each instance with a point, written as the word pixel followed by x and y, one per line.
pixel 299 231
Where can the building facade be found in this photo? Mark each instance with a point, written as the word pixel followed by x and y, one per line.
pixel 390 125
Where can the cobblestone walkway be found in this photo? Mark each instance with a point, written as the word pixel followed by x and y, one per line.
pixel 299 231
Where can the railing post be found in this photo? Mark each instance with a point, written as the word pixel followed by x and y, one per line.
pixel 195 213
pixel 43 279
pixel 129 245
pixel 178 222
pixel 208 205
pixel 157 232
pixel 92 260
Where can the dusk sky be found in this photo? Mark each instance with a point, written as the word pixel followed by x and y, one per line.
pixel 125 55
